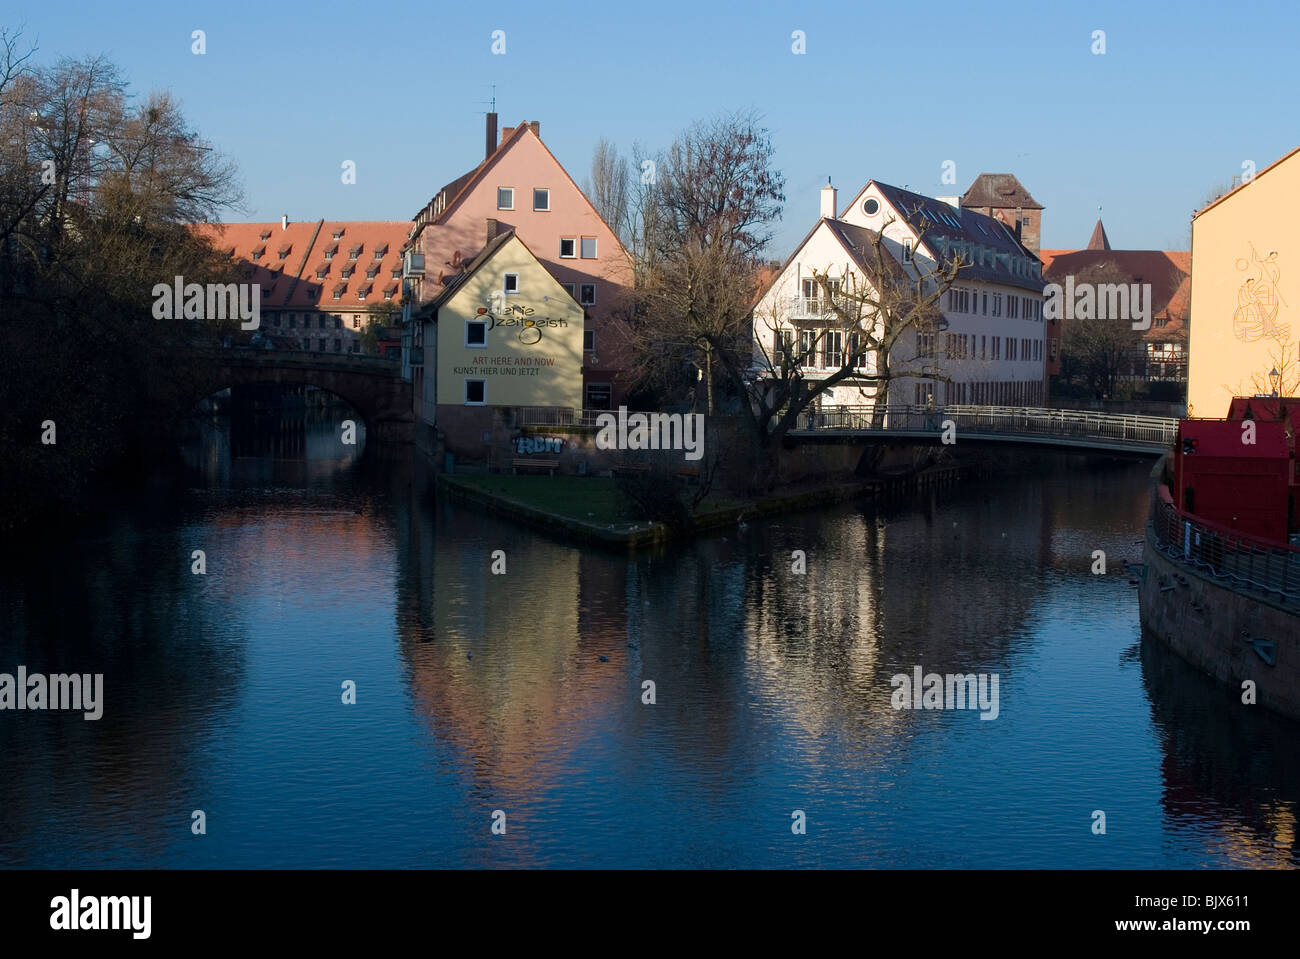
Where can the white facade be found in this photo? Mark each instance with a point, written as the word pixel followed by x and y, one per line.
pixel 993 350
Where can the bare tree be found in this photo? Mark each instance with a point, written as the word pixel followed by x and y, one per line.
pixel 607 187
pixel 1099 351
pixel 703 217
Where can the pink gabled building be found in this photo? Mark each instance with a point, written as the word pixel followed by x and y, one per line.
pixel 521 186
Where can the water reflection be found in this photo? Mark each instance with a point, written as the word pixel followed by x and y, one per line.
pixel 525 692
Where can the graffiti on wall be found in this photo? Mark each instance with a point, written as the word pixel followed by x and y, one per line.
pixel 539 444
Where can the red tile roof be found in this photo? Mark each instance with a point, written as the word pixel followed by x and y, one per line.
pixel 292 283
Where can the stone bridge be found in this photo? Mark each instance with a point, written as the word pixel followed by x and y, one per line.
pixel 372 386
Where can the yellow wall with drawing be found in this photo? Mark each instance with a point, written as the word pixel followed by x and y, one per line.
pixel 531 350
pixel 1245 289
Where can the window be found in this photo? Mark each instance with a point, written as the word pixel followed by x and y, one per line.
pixel 505 198
pixel 356 322
pixel 808 347
pixel 293 322
pixel 329 254
pixel 598 396
pixel 783 349
pixel 570 289
pixel 510 283
pixel 475 333
pixel 589 341
pixel 587 294
pixel 275 318
pixel 907 251
pixel 984 343
pixel 347 273
pixel 588 247
pixel 857 344
pixel 833 349
pixel 986 304
pixel 871 206
pixel 306 343
pixel 338 345
pixel 338 322
pixel 475 392
pixel 541 200
pixel 568 247
pixel 322 344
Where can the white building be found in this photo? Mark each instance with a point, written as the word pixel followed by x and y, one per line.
pixel 989 345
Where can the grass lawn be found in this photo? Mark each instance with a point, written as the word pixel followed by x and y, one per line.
pixel 589 499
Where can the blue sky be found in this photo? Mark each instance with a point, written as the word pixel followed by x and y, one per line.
pixel 1183 96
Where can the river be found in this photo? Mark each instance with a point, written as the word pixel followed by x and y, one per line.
pixel 519 698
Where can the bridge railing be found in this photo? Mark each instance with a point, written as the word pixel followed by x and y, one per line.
pixel 1155 431
pixel 1247 562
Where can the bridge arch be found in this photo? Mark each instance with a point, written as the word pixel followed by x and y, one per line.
pixel 371 386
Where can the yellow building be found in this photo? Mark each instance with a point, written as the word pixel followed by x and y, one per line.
pixel 507 334
pixel 1246 291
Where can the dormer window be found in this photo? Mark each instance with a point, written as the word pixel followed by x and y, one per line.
pixel 354 252
pixel 347 272
pixel 380 251
pixel 264 235
pixel 329 253
pixel 257 254
pixel 370 272
pixel 338 234
pixel 284 250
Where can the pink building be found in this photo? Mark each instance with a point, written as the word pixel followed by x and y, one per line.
pixel 521 186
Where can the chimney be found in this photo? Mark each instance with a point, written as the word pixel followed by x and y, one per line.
pixel 284 222
pixel 829 193
pixel 491 135
pixel 505 133
pixel 493 227
pixel 537 128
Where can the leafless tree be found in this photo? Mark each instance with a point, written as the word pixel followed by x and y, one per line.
pixel 607 187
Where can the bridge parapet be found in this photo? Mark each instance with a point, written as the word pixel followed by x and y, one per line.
pixel 1149 432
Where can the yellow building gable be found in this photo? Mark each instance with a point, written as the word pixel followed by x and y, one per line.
pixel 1245 289
pixel 511 327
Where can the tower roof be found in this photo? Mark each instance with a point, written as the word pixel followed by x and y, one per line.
pixel 999 190
pixel 1098 240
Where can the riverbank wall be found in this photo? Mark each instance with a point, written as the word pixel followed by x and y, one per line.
pixel 1226 632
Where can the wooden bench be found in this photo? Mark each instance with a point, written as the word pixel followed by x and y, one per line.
pixel 549 465
pixel 632 469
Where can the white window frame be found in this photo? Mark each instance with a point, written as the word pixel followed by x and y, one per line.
pixel 465 394
pixel 595 251
pixel 476 346
pixel 512 198
pixel 572 255
pixel 547 191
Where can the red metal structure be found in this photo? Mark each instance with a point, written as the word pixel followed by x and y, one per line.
pixel 1238 473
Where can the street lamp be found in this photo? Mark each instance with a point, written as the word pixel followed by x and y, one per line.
pixel 1275 378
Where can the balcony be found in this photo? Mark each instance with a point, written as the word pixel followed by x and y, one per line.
pixel 808 308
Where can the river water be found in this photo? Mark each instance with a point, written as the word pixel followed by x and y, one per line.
pixel 519 698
